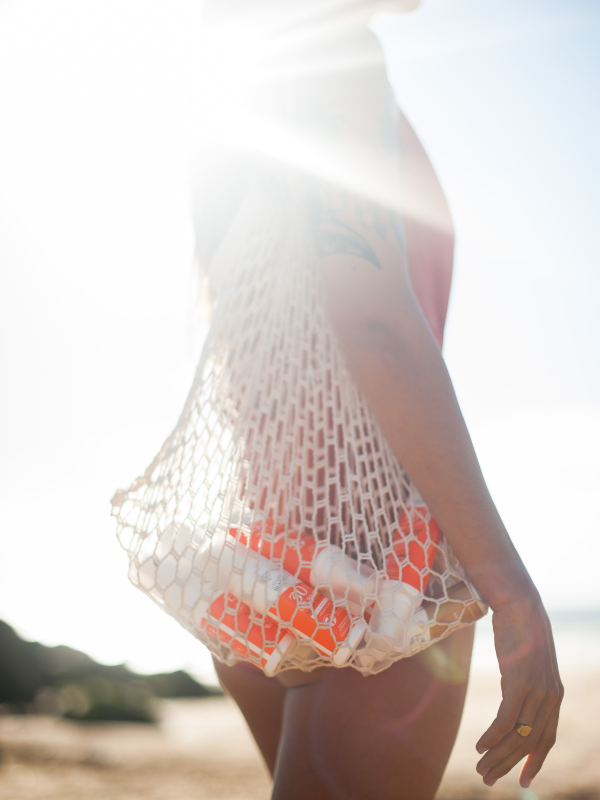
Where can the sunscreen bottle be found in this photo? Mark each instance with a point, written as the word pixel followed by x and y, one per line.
pixel 326 566
pixel 428 622
pixel 319 564
pixel 279 595
pixel 249 635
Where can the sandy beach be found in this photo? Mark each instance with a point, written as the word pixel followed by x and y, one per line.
pixel 202 749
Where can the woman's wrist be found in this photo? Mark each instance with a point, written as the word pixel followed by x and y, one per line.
pixel 519 604
pixel 501 577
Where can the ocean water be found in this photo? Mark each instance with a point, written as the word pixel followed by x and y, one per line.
pixel 576 635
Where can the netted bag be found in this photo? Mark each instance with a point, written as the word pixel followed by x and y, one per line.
pixel 276 524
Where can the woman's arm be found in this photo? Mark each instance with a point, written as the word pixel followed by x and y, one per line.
pixel 399 369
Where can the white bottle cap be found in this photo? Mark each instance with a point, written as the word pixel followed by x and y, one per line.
pixel 364 658
pixel 394 608
pixel 344 577
pixel 354 638
pixel 305 652
pixel 282 649
pixel 214 559
pixel 418 630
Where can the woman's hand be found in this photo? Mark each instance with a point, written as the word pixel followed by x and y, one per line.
pixel 531 693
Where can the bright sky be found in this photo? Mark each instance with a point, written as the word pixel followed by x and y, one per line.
pixel 97 344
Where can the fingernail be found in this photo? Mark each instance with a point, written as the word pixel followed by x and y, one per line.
pixel 490 782
pixel 526 783
pixel 480 749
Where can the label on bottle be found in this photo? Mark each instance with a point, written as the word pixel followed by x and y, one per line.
pixel 308 612
pixel 295 550
pixel 277 593
pixel 317 563
pixel 248 634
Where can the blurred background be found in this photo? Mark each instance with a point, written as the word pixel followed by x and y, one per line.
pixel 99 338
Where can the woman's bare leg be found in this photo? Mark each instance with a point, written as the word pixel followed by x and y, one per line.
pixel 260 700
pixel 386 736
pixel 345 736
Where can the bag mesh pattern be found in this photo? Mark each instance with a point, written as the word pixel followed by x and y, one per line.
pixel 275 437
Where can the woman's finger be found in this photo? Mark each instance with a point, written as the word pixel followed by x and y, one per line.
pixel 541 751
pixel 506 719
pixel 504 766
pixel 534 712
pixel 502 758
pixel 545 743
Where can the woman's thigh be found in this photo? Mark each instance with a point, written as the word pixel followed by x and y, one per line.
pixel 261 700
pixel 385 736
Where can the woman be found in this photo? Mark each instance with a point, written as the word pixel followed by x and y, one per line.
pixel 385 275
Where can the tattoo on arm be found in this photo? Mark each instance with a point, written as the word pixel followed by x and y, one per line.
pixel 344 240
pixel 333 236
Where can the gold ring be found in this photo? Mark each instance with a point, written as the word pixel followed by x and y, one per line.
pixel 523 730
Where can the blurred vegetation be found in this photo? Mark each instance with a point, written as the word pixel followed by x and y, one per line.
pixel 66 682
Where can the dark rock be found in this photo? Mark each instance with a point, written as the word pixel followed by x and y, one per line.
pixel 40 679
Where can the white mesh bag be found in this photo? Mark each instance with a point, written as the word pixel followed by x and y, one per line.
pixel 276 524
